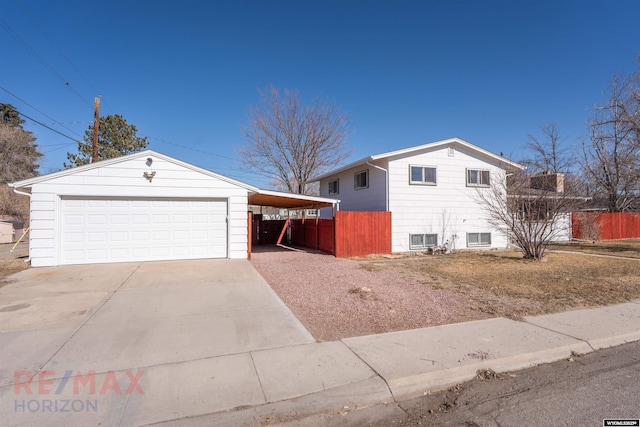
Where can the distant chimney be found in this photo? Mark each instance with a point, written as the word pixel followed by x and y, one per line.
pixel 548 181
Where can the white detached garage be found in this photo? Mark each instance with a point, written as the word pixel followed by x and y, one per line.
pixel 140 207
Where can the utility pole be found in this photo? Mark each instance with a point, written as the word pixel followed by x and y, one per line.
pixel 96 121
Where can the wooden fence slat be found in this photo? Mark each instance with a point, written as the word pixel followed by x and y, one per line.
pixel 610 225
pixel 349 234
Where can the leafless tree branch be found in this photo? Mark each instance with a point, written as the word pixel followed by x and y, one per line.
pixel 289 142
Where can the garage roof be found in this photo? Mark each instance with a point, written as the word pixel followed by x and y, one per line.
pixel 256 196
pixel 289 201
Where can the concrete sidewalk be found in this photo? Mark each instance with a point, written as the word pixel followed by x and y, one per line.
pixel 313 384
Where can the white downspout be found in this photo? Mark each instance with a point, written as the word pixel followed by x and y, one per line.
pixel 15 190
pixel 386 181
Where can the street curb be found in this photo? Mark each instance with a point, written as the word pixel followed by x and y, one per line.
pixel 335 401
pixel 419 385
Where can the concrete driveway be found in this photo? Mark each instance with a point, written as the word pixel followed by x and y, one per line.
pixel 136 343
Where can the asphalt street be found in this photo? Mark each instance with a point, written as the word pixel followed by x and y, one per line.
pixel 580 391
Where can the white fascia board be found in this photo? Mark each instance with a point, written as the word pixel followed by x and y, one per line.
pixel 341 169
pixel 410 150
pixel 458 141
pixel 35 180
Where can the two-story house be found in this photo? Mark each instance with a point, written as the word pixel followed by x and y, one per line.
pixel 431 191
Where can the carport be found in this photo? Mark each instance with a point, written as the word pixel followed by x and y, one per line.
pixel 346 234
pixel 273 231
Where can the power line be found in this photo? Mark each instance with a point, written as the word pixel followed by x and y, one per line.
pixel 50 128
pixel 39 111
pixel 59 50
pixel 35 54
pixel 192 149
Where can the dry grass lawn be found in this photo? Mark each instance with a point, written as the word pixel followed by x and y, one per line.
pixel 627 248
pixel 501 283
pixel 9 267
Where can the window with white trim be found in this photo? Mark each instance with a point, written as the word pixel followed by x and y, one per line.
pixel 361 180
pixel 425 175
pixel 421 241
pixel 334 187
pixel 478 239
pixel 477 178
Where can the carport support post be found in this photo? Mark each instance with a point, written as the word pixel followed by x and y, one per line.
pixel 249 233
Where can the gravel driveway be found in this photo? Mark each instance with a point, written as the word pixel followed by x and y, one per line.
pixel 335 298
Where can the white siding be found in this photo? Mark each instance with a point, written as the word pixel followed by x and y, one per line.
pixel 562 231
pixel 125 179
pixel 372 198
pixel 448 208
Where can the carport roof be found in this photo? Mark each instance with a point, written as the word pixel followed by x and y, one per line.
pixel 289 201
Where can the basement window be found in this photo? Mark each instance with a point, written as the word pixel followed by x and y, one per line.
pixel 421 241
pixel 478 239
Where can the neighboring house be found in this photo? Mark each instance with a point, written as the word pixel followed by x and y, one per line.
pixel 430 191
pixel 542 200
pixel 144 206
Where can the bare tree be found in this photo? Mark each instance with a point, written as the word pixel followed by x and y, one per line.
pixel 19 157
pixel 289 142
pixel 532 218
pixel 611 156
pixel 550 151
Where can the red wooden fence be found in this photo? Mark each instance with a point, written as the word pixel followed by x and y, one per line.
pixel 316 233
pixel 349 234
pixel 605 226
pixel 362 233
pixel 326 235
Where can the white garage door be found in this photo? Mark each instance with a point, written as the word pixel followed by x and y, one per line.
pixel 98 230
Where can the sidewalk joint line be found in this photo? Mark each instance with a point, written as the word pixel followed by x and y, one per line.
pixel 374 370
pixel 90 317
pixel 85 322
pixel 255 369
pixel 561 333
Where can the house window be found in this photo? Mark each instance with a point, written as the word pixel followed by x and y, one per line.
pixel 361 179
pixel 451 151
pixel 478 239
pixel 477 178
pixel 422 175
pixel 334 187
pixel 419 241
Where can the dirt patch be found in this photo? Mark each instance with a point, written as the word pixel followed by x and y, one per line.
pixel 502 283
pixel 339 298
pixel 9 267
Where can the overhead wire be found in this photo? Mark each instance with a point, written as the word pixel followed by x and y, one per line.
pixel 239 175
pixel 40 111
pixel 40 59
pixel 48 127
pixel 192 149
pixel 60 51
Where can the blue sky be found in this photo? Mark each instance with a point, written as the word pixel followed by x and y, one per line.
pixel 407 72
